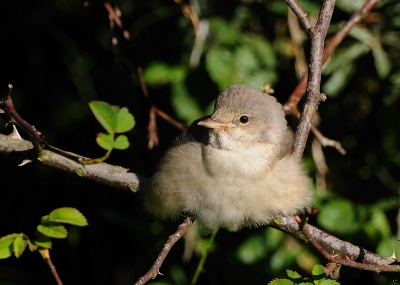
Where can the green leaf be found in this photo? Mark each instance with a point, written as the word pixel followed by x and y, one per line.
pixel 19 245
pixel 42 240
pixel 382 62
pixel 32 246
pixel 125 122
pixel 68 215
pixel 318 274
pixel 10 236
pixel 105 141
pixel 222 32
pixel 251 250
pixel 105 114
pixel 184 104
pixel 160 73
pixel 329 282
pixel 52 230
pixel 293 274
pixel 121 142
pixel 339 216
pixel 6 247
pixel 281 282
pixel 219 66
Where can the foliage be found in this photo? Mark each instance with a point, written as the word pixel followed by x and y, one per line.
pixel 114 120
pixel 51 226
pixel 318 278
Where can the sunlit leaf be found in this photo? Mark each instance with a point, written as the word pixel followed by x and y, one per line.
pixel 19 245
pixel 125 122
pixel 52 230
pixel 318 274
pixel 105 114
pixel 106 141
pixel 281 282
pixel 121 142
pixel 293 274
pixel 6 248
pixel 68 216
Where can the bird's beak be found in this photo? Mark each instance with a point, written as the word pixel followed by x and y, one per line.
pixel 212 124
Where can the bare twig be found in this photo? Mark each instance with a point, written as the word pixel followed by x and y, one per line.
pixel 301 15
pixel 290 105
pixel 51 266
pixel 155 269
pixel 314 78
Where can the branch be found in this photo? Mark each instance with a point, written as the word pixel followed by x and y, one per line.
pixel 314 78
pixel 115 176
pixel 334 249
pixel 155 269
pixel 291 105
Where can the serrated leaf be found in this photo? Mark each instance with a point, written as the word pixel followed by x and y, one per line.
pixel 125 122
pixel 281 282
pixel 318 273
pixel 6 248
pixel 329 282
pixel 293 274
pixel 19 245
pixel 68 215
pixel 105 141
pixel 42 240
pixel 52 230
pixel 121 142
pixel 10 236
pixel 105 114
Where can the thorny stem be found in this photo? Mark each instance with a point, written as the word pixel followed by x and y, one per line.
pixel 347 261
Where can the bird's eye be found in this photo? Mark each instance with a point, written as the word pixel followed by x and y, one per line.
pixel 244 119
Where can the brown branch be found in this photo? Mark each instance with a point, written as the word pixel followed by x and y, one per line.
pixel 314 78
pixel 332 244
pixel 330 47
pixel 347 260
pixel 155 269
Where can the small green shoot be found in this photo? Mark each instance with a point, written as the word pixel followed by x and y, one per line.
pixel 115 120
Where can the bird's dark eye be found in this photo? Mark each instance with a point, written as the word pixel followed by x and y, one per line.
pixel 244 119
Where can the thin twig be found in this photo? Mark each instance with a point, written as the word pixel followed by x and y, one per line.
pixel 51 266
pixel 155 269
pixel 314 78
pixel 330 47
pixel 301 15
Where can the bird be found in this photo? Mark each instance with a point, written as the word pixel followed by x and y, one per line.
pixel 232 169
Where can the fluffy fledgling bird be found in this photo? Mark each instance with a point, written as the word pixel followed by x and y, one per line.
pixel 232 169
